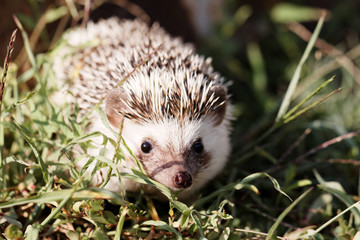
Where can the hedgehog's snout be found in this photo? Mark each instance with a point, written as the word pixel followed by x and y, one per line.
pixel 183 179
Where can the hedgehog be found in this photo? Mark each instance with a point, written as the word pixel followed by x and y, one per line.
pixel 174 107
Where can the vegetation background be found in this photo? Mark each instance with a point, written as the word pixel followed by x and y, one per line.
pixel 312 152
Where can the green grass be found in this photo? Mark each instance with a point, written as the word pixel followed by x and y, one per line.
pixel 293 173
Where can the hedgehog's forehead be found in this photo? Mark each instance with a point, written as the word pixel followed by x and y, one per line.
pixel 180 95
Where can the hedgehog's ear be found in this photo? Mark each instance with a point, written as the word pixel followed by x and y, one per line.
pixel 115 106
pixel 218 113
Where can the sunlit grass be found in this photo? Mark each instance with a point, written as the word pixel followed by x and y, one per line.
pixel 286 182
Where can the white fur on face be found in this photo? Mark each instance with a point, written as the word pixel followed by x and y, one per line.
pixel 170 141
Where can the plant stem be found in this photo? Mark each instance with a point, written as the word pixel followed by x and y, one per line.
pixel 10 48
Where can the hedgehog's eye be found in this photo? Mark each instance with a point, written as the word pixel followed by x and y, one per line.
pixel 198 146
pixel 146 147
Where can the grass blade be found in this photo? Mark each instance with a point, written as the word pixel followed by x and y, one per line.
pixel 272 231
pixel 32 232
pixel 295 79
pixel 294 109
pixel 29 96
pixel 195 215
pixel 304 110
pixel 225 234
pixel 44 198
pixel 120 224
pixel 338 191
pixel 114 158
pixel 82 139
pixel 44 170
pixel 240 185
pixel 66 198
pixel 319 229
pixel 163 225
pixel 81 194
pixel 28 48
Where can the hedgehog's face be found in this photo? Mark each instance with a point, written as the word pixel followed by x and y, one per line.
pixel 178 154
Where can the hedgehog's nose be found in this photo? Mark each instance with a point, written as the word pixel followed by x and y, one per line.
pixel 183 179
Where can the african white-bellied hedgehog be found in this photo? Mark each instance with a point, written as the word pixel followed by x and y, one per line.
pixel 175 106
